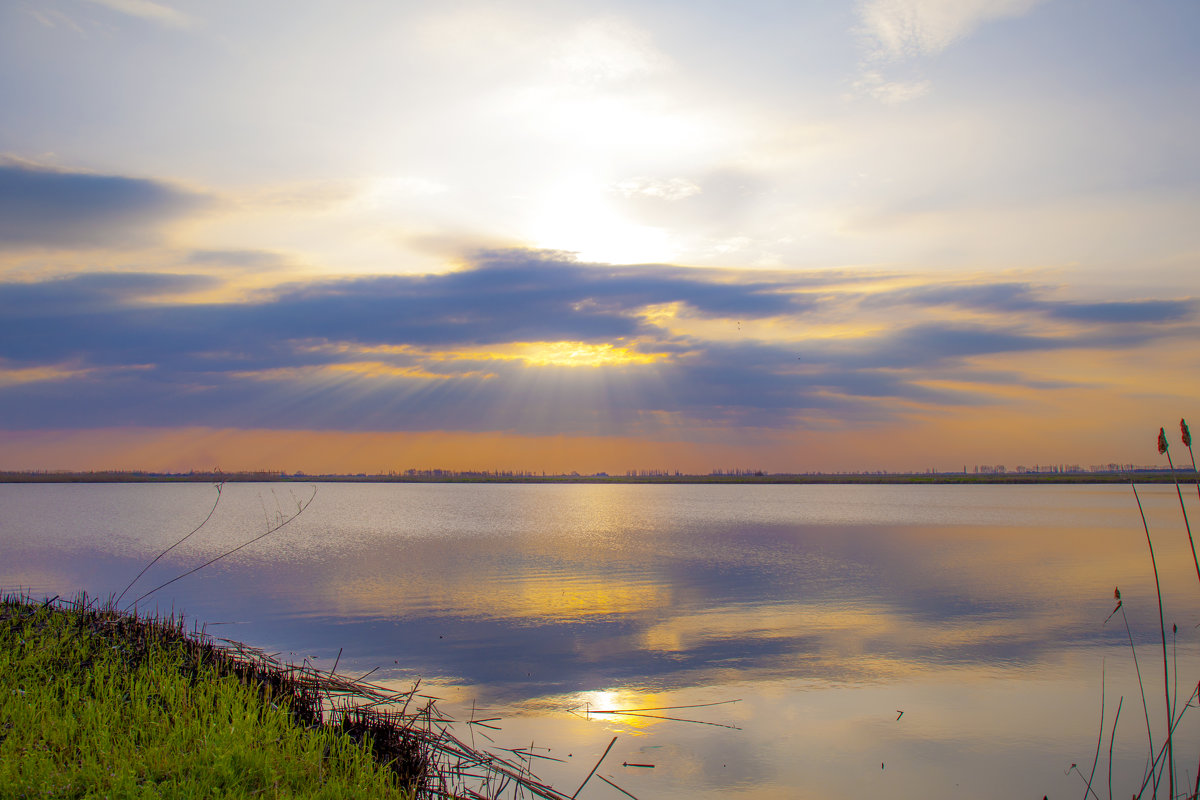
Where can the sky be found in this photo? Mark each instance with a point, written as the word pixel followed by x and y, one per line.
pixel 597 236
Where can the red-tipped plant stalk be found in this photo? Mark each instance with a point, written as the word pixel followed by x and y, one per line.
pixel 1164 449
pixel 1186 435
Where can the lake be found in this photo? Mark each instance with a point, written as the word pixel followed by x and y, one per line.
pixel 823 611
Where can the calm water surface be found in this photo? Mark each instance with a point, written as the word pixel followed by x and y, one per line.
pixel 824 611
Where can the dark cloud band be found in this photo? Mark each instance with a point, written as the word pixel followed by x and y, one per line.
pixel 427 352
pixel 59 209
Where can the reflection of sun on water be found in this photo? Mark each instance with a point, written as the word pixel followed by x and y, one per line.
pixel 591 704
pixel 602 700
pixel 561 597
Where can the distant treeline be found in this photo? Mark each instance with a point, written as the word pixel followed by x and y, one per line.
pixel 1141 475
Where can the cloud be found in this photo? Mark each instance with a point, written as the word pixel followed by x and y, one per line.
pixel 92 293
pixel 901 30
pixel 149 11
pixel 239 259
pixel 52 18
pixel 511 296
pixel 873 84
pixel 1024 298
pixel 608 50
pixel 491 347
pixel 930 344
pixel 909 28
pixel 1125 311
pixel 44 207
pixel 661 188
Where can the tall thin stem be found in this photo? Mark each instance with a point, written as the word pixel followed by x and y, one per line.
pixel 1112 739
pixel 1162 627
pixel 1100 735
pixel 1156 757
pixel 1141 684
pixel 1188 441
pixel 1186 524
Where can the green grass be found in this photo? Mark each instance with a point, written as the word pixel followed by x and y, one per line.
pixel 96 704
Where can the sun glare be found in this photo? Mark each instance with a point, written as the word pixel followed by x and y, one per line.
pixel 578 215
pixel 579 354
pixel 541 354
pixel 642 703
pixel 538 354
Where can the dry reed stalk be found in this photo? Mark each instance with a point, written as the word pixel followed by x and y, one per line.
pixel 661 708
pixel 618 788
pixel 671 719
pixel 211 511
pixel 593 772
pixel 640 712
pixel 283 522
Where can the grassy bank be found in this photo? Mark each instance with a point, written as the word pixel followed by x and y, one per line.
pixel 99 704
pixel 95 702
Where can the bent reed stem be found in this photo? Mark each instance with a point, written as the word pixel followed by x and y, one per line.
pixel 299 510
pixel 211 511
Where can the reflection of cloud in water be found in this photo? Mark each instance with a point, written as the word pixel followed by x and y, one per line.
pixel 558 596
pixel 853 604
pixel 844 631
pixel 819 615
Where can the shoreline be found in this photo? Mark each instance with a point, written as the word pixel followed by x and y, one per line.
pixel 101 700
pixel 437 476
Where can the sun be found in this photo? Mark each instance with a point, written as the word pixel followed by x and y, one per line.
pixel 580 215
